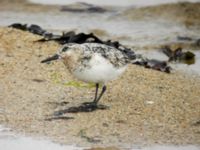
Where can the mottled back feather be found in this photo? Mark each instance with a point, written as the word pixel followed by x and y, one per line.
pixel 115 56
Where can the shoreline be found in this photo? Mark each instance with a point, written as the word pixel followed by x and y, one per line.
pixel 124 3
pixel 10 140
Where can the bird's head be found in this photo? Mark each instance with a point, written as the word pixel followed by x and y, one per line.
pixel 68 50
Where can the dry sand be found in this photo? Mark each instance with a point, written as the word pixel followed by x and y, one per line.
pixel 146 106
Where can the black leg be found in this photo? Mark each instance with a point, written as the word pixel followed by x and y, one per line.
pixel 96 92
pixel 101 94
pixel 87 106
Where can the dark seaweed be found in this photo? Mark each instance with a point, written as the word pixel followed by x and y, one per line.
pixel 19 26
pixel 178 55
pixel 154 64
pixel 33 28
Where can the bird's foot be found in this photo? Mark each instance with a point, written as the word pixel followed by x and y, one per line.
pixel 94 105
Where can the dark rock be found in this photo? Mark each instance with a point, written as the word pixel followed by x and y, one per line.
pixel 184 38
pixel 96 9
pixel 35 29
pixel 83 8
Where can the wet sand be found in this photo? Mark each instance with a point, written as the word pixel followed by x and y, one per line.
pixel 10 140
pixel 185 12
pixel 146 106
pixel 23 5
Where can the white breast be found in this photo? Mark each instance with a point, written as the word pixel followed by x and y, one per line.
pixel 101 70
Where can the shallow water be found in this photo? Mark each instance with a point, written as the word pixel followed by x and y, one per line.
pixel 192 69
pixel 11 141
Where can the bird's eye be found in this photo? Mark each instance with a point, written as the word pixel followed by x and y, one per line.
pixel 65 49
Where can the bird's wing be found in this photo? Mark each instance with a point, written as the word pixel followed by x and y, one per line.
pixel 115 56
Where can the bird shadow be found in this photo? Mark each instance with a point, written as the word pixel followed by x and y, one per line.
pixel 84 107
pixel 63 103
pixel 59 118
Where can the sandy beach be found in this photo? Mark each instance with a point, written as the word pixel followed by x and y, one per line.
pixel 146 107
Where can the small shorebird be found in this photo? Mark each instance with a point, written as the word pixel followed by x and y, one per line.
pixel 93 63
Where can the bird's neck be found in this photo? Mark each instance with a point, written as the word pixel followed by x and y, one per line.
pixel 71 62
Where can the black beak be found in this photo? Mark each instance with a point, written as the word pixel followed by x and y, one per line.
pixel 54 57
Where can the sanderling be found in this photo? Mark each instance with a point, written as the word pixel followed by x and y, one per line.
pixel 93 63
